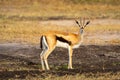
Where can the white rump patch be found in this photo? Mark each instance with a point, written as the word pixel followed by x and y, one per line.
pixel 45 42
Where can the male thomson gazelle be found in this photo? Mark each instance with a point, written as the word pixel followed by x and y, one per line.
pixel 53 39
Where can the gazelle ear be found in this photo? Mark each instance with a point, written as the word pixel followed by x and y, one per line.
pixel 87 23
pixel 77 23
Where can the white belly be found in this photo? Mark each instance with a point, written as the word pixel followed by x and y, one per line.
pixel 65 45
pixel 62 44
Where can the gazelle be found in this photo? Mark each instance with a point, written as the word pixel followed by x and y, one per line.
pixel 53 39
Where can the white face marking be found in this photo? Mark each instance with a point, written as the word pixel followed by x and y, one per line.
pixel 81 31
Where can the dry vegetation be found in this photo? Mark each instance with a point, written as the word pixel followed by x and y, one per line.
pixel 23 21
pixel 63 9
pixel 30 31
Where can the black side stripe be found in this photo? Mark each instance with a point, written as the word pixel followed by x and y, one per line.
pixel 61 39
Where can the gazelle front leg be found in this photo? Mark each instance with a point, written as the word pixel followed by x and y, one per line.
pixel 70 57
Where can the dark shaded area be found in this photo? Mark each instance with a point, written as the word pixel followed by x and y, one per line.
pixel 86 59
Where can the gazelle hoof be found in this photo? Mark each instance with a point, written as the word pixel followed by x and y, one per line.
pixel 70 68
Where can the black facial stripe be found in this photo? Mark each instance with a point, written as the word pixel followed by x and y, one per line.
pixel 63 40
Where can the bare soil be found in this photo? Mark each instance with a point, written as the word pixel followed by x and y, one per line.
pixel 18 61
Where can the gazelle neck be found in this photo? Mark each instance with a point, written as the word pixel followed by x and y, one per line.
pixel 81 31
pixel 81 34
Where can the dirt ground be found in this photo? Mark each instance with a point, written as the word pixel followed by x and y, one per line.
pixel 18 60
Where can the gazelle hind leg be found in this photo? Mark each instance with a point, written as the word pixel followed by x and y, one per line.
pixel 42 63
pixel 47 53
pixel 48 46
pixel 42 59
pixel 44 47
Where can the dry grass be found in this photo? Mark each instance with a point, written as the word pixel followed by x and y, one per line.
pixel 63 9
pixel 30 31
pixel 86 76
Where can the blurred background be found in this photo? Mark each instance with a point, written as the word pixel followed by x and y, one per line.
pixel 58 9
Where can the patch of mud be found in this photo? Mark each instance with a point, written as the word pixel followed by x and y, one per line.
pixel 88 58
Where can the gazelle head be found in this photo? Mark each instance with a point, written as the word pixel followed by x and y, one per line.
pixel 82 24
